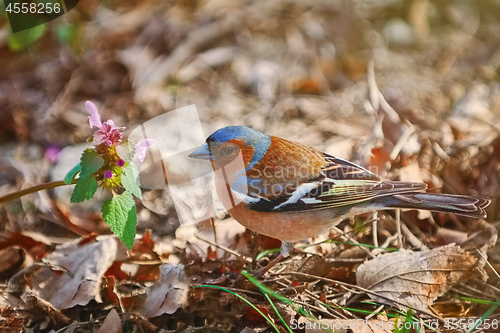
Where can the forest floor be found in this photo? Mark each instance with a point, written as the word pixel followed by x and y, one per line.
pixel 408 88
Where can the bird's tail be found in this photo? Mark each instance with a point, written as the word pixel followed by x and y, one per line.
pixel 470 206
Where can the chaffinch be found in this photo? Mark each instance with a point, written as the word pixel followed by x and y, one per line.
pixel 292 192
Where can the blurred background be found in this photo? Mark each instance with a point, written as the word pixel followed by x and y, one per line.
pixel 409 87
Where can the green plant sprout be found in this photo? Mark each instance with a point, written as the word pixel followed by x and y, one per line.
pixel 109 165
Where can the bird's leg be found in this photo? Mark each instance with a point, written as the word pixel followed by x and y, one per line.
pixel 286 250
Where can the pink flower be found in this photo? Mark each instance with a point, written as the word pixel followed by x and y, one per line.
pixel 94 119
pixel 52 153
pixel 107 132
pixel 120 162
pixel 141 148
pixel 108 174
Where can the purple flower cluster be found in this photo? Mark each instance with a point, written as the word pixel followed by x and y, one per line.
pixel 107 132
pixel 110 134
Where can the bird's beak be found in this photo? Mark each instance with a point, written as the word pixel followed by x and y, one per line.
pixel 202 153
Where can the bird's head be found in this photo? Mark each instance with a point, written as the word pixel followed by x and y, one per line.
pixel 230 143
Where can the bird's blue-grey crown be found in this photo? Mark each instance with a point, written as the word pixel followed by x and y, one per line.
pixel 250 137
pixel 247 134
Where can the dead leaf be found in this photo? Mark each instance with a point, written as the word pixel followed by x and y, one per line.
pixel 112 323
pixel 12 260
pixel 309 86
pixel 32 242
pixel 414 279
pixel 86 266
pixel 379 160
pixel 143 253
pixel 313 265
pixel 255 317
pixel 168 293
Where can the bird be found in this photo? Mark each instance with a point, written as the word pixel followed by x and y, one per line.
pixel 292 192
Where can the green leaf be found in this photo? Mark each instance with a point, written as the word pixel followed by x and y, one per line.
pixel 85 188
pixel 126 150
pixel 130 180
pixel 23 39
pixel 404 328
pixel 72 173
pixel 119 214
pixel 90 162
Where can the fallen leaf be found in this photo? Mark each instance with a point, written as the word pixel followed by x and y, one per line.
pixel 34 243
pixel 255 317
pixel 313 265
pixel 414 279
pixel 116 272
pixel 379 159
pixel 112 323
pixel 168 293
pixel 211 254
pixel 86 266
pixel 143 253
pixel 109 286
pixel 88 238
pixel 12 260
pixel 309 86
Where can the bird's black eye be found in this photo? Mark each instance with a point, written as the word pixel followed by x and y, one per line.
pixel 228 150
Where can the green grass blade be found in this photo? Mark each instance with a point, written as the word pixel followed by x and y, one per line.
pixel 266 291
pixel 486 315
pixel 277 312
pixel 276 295
pixel 243 299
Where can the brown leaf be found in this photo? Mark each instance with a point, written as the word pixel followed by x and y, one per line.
pixel 112 323
pixel 379 159
pixel 32 242
pixel 211 254
pixel 313 265
pixel 116 272
pixel 12 259
pixel 86 266
pixel 414 279
pixel 168 293
pixel 306 86
pixel 88 238
pixel 253 316
pixel 110 290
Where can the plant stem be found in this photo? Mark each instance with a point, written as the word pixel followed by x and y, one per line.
pixel 33 189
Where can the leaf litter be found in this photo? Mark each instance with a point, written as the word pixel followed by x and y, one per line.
pixel 421 100
pixel 414 279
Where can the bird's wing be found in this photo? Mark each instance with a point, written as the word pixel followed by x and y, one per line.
pixel 341 184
